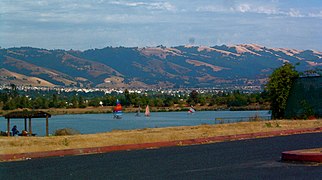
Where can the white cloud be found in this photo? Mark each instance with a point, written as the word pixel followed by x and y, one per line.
pixel 212 8
pixel 267 9
pixel 316 15
pixel 248 8
pixel 294 13
pixel 132 4
pixel 149 5
pixel 239 8
pixel 243 8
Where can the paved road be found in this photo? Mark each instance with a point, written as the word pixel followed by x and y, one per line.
pixel 247 159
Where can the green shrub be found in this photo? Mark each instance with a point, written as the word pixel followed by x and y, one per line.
pixel 65 142
pixel 268 124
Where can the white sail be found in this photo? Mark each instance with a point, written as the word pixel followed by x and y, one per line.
pixel 191 110
pixel 147 111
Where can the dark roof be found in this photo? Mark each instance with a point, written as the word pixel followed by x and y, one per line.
pixel 27 114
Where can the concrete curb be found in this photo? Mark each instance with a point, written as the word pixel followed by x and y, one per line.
pixel 94 150
pixel 305 155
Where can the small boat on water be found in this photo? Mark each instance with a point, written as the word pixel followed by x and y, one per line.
pixel 138 113
pixel 147 111
pixel 191 110
pixel 117 112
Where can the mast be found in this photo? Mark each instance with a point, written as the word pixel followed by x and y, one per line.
pixel 138 112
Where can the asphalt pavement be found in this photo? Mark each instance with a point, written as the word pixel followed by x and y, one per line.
pixel 243 159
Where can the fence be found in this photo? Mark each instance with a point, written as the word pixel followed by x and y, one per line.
pixel 225 120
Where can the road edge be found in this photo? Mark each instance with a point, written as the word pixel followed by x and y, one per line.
pixel 302 156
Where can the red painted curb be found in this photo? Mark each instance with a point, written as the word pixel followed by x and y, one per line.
pixel 93 150
pixel 302 156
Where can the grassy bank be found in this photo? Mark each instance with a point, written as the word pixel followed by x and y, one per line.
pixel 118 137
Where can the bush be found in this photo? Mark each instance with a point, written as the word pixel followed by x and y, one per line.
pixel 66 131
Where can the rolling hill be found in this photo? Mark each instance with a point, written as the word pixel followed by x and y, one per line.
pixel 150 67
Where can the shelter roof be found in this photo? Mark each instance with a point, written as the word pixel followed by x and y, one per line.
pixel 27 114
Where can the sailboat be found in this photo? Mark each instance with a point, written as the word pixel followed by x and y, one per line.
pixel 138 112
pixel 117 112
pixel 147 111
pixel 191 110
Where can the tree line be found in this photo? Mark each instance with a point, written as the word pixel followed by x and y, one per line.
pixel 11 99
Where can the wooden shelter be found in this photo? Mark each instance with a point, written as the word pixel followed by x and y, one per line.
pixel 27 115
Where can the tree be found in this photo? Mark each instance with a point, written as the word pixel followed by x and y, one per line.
pixel 54 101
pixel 10 105
pixel 278 88
pixel 81 102
pixel 127 97
pixel 40 103
pixel 23 102
pixel 193 97
pixel 13 91
pixel 74 102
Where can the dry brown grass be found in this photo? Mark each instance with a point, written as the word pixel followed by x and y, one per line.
pixel 118 137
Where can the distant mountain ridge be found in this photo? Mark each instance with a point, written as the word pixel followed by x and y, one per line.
pixel 150 67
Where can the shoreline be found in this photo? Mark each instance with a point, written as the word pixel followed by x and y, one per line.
pixel 109 109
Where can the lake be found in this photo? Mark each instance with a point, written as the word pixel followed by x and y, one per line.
pixel 95 123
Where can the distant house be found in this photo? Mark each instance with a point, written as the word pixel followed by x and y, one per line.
pixel 305 99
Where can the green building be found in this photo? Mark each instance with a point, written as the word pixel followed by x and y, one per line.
pixel 305 99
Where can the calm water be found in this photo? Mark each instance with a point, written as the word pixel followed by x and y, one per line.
pixel 94 123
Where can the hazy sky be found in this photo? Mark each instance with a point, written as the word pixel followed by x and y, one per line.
pixel 84 24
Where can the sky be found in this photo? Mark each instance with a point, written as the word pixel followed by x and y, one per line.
pixel 89 24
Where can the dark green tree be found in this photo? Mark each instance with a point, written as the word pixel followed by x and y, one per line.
pixel 193 97
pixel 54 101
pixel 81 102
pixel 237 99
pixel 13 90
pixel 4 97
pixel 23 102
pixel 127 97
pixel 74 102
pixel 40 103
pixel 10 105
pixel 168 102
pixel 96 102
pixel 278 88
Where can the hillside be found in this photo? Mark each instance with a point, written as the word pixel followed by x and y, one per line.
pixel 150 67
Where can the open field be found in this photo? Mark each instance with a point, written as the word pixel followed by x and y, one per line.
pixel 20 144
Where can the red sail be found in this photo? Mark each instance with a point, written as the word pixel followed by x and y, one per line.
pixel 118 107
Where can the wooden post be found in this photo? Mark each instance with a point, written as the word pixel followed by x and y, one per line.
pixel 46 125
pixel 8 127
pixel 25 124
pixel 30 129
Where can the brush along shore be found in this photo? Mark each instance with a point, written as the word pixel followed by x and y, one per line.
pixel 20 144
